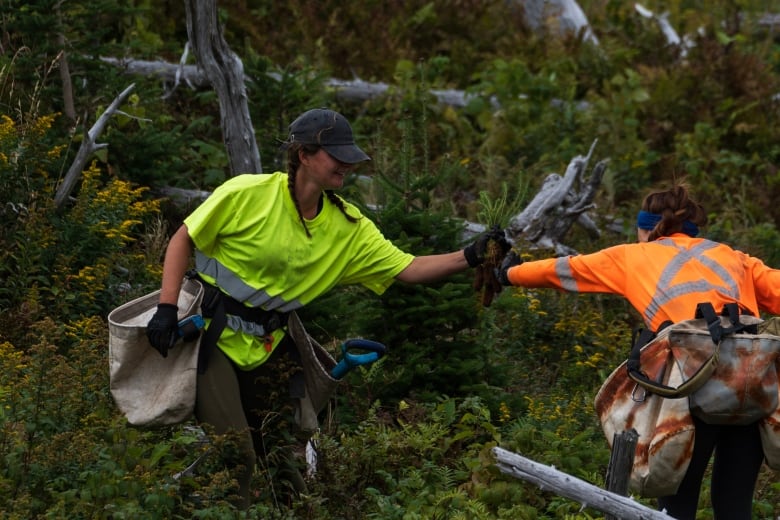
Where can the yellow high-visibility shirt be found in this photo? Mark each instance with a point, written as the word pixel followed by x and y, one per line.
pixel 250 242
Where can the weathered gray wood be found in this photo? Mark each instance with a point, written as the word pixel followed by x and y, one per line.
pixel 560 203
pixel 565 485
pixel 169 73
pixel 621 462
pixel 566 15
pixel 182 195
pixel 225 73
pixel 672 38
pixel 68 105
pixel 771 20
pixel 87 148
pixel 354 90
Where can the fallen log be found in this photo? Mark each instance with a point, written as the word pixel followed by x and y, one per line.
pixel 771 20
pixel 550 479
pixel 181 196
pixel 355 90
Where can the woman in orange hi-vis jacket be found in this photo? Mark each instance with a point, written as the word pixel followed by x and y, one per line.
pixel 664 276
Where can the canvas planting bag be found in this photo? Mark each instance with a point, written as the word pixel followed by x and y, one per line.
pixel 151 390
pixel 318 365
pixel 664 426
pixel 770 426
pixel 729 369
pixel 723 369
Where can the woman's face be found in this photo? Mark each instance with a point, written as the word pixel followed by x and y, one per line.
pixel 324 170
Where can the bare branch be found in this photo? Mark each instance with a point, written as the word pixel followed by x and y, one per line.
pixel 135 118
pixel 87 148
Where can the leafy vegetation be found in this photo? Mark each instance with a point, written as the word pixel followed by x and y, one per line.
pixel 410 436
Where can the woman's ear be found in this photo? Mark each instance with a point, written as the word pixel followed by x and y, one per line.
pixel 302 156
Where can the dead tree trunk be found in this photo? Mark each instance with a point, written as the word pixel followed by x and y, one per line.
pixel 68 105
pixel 225 72
pixel 561 202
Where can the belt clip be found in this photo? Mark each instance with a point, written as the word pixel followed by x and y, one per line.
pixel 268 342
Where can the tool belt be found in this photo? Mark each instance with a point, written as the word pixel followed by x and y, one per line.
pixel 217 305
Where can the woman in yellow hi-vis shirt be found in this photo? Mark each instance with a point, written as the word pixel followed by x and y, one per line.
pixel 664 276
pixel 266 245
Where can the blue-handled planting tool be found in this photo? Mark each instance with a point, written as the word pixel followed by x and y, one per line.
pixel 189 327
pixel 371 352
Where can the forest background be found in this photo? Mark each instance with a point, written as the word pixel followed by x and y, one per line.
pixel 409 437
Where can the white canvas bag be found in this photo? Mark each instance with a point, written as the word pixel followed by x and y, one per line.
pixel 151 390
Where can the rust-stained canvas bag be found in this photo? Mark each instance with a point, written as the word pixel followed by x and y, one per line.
pixel 770 438
pixel 728 368
pixel 151 390
pixel 723 377
pixel 664 426
pixel 770 426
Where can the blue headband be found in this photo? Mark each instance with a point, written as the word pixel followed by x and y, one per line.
pixel 648 221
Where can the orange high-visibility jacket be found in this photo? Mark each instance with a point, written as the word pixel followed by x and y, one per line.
pixel 664 279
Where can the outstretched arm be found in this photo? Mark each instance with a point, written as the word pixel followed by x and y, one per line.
pixel 430 268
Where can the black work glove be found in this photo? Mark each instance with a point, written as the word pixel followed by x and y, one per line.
pixel 475 252
pixel 510 260
pixel 163 328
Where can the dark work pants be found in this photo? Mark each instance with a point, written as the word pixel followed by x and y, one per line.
pixel 738 459
pixel 256 404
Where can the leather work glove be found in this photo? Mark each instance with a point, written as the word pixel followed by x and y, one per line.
pixel 476 252
pixel 510 260
pixel 485 255
pixel 163 328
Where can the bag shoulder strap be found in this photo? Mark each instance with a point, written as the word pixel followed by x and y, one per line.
pixel 639 339
pixel 209 339
pixel 707 312
pixel 717 331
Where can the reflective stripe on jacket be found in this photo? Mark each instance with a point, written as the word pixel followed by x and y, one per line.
pixel 664 279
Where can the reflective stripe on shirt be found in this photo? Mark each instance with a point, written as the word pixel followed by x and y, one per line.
pixel 666 292
pixel 229 282
pixel 563 270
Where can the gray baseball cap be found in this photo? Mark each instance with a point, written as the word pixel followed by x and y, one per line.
pixel 331 131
